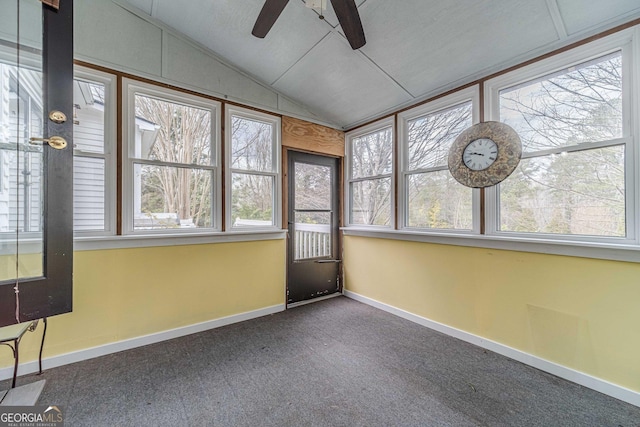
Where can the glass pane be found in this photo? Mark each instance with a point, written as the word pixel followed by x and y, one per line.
pixel 578 193
pixel 580 104
pixel 251 145
pixel 88 194
pixel 21 117
pixel 372 154
pixel 436 200
pixel 171 132
pixel 431 136
pixel 88 116
pixel 371 202
pixel 312 235
pixel 169 197
pixel 313 186
pixel 251 200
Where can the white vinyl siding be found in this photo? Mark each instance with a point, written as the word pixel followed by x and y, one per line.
pixel 94 153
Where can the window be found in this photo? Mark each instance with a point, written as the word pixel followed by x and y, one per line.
pixel 431 198
pixel 94 147
pixel 21 164
pixel 172 177
pixel 575 178
pixel 253 170
pixel 370 181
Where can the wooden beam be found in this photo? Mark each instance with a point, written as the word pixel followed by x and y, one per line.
pixel 302 135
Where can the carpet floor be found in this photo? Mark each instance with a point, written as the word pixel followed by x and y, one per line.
pixel 332 363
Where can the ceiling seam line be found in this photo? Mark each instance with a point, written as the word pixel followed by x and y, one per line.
pixel 375 64
pixel 299 59
pixel 556 17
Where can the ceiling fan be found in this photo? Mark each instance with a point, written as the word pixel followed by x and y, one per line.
pixel 346 11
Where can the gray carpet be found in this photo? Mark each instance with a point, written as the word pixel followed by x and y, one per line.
pixel 332 363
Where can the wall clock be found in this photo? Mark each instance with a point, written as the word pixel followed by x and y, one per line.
pixel 485 154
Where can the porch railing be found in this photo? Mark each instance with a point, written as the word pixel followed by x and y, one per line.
pixel 312 241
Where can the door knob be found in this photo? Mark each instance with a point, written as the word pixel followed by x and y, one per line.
pixel 56 142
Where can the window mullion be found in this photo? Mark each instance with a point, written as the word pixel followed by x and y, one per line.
pixel 172 164
pixel 253 172
pixel 371 178
pixel 575 148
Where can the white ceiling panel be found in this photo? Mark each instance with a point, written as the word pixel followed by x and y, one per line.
pixel 329 15
pixel 340 84
pixel 107 28
pixel 426 44
pixel 415 48
pixel 224 26
pixel 581 15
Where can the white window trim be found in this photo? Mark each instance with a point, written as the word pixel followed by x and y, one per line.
pixel 627 42
pixel 627 253
pixel 109 156
pixel 464 95
pixel 276 156
pixel 129 89
pixel 138 241
pixel 349 137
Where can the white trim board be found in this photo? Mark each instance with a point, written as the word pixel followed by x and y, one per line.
pixel 569 374
pixel 115 347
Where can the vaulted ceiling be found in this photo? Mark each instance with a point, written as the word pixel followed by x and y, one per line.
pixel 415 48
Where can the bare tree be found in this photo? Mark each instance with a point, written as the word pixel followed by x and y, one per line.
pixel 251 151
pixel 183 138
pixel 578 189
pixel 372 158
pixel 435 199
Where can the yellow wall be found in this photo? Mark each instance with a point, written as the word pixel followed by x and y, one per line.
pixel 580 313
pixel 126 293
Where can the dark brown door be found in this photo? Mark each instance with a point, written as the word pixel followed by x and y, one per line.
pixel 313 214
pixel 36 208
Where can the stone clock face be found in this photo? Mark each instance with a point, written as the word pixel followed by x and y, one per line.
pixel 484 154
pixel 480 154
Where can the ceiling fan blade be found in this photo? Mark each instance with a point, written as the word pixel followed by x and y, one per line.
pixel 268 16
pixel 349 18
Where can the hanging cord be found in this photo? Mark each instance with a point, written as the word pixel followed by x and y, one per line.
pixel 16 288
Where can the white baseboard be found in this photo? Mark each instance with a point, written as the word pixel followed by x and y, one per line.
pixel 90 353
pixel 572 375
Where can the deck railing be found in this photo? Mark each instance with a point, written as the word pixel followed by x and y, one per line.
pixel 312 241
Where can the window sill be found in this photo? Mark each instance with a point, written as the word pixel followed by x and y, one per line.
pixel 93 243
pixel 627 253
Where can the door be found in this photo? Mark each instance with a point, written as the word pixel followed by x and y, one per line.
pixel 36 209
pixel 313 216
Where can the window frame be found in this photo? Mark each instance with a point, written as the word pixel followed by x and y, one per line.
pixel 110 148
pixel 130 88
pixel 276 170
pixel 371 128
pixel 469 94
pixel 625 42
